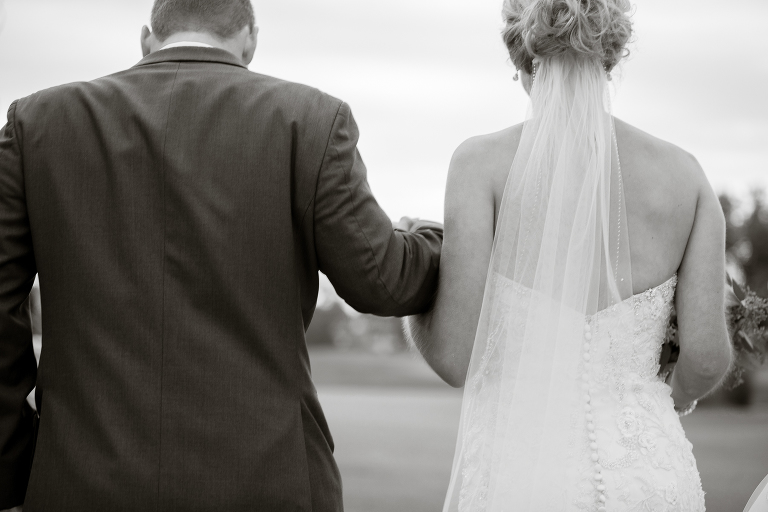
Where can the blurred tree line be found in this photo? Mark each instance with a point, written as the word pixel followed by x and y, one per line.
pixel 747 241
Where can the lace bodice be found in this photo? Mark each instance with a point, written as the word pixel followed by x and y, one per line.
pixel 628 450
pixel 643 456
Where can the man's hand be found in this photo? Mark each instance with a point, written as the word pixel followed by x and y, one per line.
pixel 410 225
pixel 404 224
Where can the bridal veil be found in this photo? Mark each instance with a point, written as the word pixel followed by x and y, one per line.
pixel 560 255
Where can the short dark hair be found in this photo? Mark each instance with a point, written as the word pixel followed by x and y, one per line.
pixel 220 18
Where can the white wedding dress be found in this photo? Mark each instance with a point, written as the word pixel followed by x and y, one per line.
pixel 563 406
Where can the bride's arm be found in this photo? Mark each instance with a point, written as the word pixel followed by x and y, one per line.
pixel 445 335
pixel 705 348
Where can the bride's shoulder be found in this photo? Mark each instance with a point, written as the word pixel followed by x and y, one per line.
pixel 657 156
pixel 659 167
pixel 490 148
pixel 484 161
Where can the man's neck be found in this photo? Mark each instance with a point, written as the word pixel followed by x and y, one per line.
pixel 242 44
pixel 195 37
pixel 230 46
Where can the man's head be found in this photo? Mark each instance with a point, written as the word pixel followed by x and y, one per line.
pixel 226 24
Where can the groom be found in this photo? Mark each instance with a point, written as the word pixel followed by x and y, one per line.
pixel 178 214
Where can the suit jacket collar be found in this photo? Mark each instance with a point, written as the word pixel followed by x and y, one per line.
pixel 191 54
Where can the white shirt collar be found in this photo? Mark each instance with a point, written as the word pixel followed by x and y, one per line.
pixel 186 43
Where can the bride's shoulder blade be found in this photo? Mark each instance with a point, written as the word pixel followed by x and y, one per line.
pixel 663 181
pixel 654 158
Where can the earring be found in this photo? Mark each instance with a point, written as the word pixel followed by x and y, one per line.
pixel 608 74
pixel 533 75
pixel 517 76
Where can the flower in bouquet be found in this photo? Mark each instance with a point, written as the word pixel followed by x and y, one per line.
pixel 747 315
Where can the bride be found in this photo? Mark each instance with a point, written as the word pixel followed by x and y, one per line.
pixel 569 239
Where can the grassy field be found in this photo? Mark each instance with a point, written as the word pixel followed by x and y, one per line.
pixel 395 423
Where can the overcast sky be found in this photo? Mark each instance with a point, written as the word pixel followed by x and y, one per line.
pixel 423 75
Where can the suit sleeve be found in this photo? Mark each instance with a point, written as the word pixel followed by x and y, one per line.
pixel 17 359
pixel 373 267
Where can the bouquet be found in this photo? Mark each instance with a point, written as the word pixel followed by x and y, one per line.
pixel 747 316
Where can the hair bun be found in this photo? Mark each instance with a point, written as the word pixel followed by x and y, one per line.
pixel 549 28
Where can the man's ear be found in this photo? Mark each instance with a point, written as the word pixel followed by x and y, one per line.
pixel 148 40
pixel 251 42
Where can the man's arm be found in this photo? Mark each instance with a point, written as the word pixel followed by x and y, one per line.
pixel 18 369
pixel 374 268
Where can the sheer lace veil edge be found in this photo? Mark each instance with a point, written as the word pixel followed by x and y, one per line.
pixel 560 255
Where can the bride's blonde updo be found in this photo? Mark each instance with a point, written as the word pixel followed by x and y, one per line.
pixel 549 28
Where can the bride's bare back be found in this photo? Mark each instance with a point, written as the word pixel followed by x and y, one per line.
pixel 675 223
pixel 663 184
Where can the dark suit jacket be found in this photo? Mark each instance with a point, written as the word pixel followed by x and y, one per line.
pixel 178 214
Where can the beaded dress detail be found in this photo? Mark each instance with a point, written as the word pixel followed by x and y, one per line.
pixel 639 458
pixel 629 451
